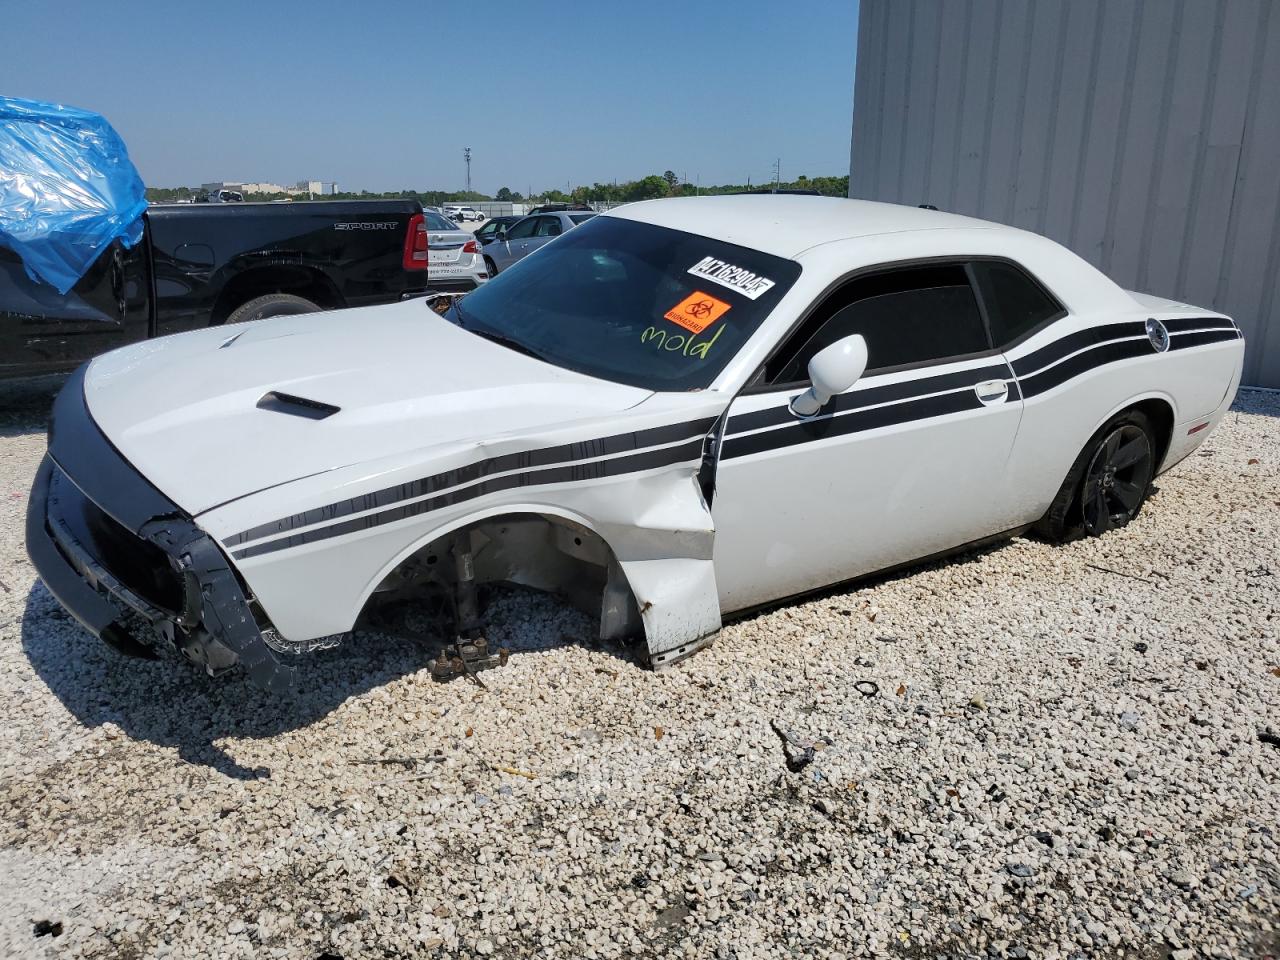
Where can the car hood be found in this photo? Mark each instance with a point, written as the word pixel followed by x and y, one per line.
pixel 189 413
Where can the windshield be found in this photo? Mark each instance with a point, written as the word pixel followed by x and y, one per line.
pixel 437 222
pixel 631 302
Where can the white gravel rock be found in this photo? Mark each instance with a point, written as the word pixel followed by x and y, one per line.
pixel 1049 753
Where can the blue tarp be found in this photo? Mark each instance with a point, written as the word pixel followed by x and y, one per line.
pixel 67 189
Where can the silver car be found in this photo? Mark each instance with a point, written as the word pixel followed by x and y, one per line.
pixel 527 235
pixel 454 261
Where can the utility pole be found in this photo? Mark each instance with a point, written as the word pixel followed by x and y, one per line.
pixel 777 173
pixel 466 155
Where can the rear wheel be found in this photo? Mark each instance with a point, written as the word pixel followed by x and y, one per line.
pixel 1108 484
pixel 271 305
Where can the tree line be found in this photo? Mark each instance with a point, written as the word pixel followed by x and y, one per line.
pixel 651 187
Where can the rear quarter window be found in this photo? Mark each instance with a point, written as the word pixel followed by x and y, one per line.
pixel 1016 303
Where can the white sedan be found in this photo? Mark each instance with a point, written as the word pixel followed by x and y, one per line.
pixel 681 410
pixel 454 259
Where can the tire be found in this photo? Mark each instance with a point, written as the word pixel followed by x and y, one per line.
pixel 1108 483
pixel 271 305
pixel 491 267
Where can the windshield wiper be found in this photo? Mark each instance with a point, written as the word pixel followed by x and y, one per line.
pixel 498 338
pixel 507 342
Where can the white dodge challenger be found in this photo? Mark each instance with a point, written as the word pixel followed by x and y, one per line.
pixel 679 411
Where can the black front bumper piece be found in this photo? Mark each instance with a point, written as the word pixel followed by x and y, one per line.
pixel 126 561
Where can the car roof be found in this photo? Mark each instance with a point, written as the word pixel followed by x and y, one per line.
pixel 785 225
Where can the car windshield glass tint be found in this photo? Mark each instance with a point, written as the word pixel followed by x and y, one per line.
pixel 437 222
pixel 580 217
pixel 631 302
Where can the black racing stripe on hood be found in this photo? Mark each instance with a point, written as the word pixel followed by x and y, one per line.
pixel 524 460
pixel 595 470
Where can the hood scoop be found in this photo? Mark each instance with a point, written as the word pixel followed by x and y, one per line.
pixel 287 403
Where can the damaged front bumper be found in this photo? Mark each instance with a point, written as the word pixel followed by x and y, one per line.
pixel 128 563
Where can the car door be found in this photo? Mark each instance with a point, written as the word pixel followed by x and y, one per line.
pixel 908 464
pixel 549 227
pixel 507 250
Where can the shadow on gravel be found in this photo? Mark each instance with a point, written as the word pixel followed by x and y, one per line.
pixel 1264 403
pixel 25 404
pixel 168 703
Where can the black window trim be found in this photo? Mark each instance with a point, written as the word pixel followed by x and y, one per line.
pixel 756 383
pixel 1061 312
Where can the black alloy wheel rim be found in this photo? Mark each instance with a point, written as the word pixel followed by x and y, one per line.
pixel 1117 479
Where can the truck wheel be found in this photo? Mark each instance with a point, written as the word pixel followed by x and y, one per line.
pixel 271 305
pixel 1107 485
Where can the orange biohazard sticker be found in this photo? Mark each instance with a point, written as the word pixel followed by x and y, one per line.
pixel 697 311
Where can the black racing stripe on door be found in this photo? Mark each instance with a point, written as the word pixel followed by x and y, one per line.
pixel 524 460
pixel 1077 341
pixel 888 393
pixel 595 470
pixel 1084 362
pixel 1180 341
pixel 1183 324
pixel 811 431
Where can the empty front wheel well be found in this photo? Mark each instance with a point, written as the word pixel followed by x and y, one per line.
pixel 544 552
pixel 300 281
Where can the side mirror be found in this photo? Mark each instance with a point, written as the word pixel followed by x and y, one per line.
pixel 500 233
pixel 832 370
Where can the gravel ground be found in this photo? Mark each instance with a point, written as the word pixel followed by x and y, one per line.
pixel 1026 752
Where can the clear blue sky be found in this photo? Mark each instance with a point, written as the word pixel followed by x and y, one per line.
pixel 382 95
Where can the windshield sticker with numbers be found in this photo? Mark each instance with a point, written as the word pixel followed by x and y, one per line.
pixel 750 285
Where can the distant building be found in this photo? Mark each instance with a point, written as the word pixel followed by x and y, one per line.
pixel 301 189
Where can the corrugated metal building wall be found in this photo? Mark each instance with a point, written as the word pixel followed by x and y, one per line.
pixel 1143 134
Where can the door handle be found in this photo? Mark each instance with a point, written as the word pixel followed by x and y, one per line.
pixel 992 391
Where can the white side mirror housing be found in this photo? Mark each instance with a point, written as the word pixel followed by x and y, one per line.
pixel 832 370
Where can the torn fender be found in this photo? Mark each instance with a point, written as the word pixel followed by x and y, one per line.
pixel 313 551
pixel 678 604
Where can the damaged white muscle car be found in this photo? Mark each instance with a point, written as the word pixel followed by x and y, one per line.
pixel 680 410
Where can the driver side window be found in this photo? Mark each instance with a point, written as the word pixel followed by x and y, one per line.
pixel 524 229
pixel 909 316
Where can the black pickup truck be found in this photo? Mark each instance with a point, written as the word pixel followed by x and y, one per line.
pixel 209 264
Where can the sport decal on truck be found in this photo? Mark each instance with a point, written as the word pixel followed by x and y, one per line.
pixel 371 225
pixel 750 285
